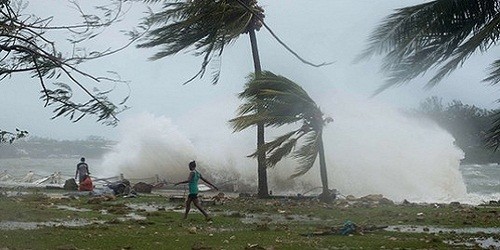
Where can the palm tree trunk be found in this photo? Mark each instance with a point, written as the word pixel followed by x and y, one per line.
pixel 261 157
pixel 322 168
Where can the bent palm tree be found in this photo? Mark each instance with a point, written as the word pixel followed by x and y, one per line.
pixel 207 27
pixel 275 101
pixel 439 34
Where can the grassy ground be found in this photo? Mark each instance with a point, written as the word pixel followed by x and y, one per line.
pixel 240 223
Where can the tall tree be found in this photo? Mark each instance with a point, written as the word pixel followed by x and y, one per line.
pixel 207 27
pixel 440 34
pixel 275 101
pixel 27 47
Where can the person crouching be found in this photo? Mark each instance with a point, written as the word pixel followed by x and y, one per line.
pixel 86 184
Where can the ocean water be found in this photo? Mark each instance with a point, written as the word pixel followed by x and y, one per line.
pixel 482 181
pixel 18 168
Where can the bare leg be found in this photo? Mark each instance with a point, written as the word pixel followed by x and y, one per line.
pixel 188 207
pixel 198 205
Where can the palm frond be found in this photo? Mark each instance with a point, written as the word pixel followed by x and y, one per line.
pixel 482 39
pixel 307 154
pixel 259 16
pixel 440 33
pixel 272 145
pixel 244 121
pixel 247 108
pixel 275 90
pixel 268 119
pixel 205 27
pixel 274 100
pixel 494 75
pixel 277 142
pixel 284 150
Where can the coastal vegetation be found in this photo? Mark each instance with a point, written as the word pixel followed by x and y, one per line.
pixel 468 124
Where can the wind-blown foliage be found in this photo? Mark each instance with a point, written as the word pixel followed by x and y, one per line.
pixel 276 101
pixel 26 47
pixel 10 137
pixel 205 26
pixel 440 34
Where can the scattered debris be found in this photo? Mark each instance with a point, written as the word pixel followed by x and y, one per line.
pixel 122 188
pixel 142 187
pixel 348 228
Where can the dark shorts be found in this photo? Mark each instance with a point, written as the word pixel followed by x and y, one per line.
pixel 193 196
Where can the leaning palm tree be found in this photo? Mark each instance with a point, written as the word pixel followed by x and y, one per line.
pixel 276 101
pixel 207 27
pixel 440 34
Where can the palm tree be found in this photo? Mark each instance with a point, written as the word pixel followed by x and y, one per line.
pixel 440 34
pixel 207 27
pixel 275 101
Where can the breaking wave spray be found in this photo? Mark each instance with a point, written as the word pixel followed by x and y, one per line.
pixel 370 147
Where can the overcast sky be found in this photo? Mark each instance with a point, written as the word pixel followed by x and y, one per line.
pixel 320 30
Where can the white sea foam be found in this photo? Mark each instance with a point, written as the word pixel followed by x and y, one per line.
pixel 370 149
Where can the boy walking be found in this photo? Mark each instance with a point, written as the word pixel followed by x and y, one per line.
pixel 194 177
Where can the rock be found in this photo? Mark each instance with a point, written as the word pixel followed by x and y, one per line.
pixel 385 201
pixel 70 184
pixel 372 197
pixel 341 203
pixel 350 198
pixel 192 230
pixel 219 199
pixel 327 197
pixel 142 187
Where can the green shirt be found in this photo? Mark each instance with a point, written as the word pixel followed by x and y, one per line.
pixel 193 184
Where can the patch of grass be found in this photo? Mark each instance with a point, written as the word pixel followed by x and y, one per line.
pixel 165 229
